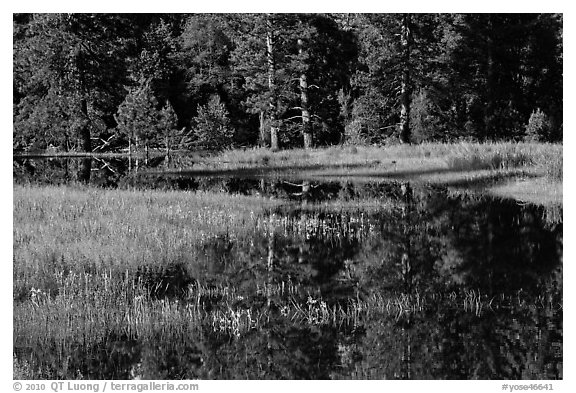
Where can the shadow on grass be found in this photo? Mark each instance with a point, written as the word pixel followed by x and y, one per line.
pixel 261 171
pixel 487 180
pixel 366 172
pixel 440 176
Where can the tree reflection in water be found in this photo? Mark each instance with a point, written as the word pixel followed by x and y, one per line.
pixel 419 283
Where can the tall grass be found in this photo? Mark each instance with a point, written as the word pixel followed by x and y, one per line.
pixel 351 154
pixel 88 313
pixel 541 158
pixel 495 156
pixel 85 280
pixel 472 157
pixel 87 230
pixel 553 165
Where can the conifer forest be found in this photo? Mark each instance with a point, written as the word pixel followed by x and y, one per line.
pixel 213 81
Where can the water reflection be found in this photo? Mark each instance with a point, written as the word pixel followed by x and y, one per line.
pixel 422 284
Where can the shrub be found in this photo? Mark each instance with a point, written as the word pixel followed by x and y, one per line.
pixel 538 128
pixel 137 116
pixel 353 133
pixel 424 121
pixel 371 122
pixel 168 122
pixel 212 125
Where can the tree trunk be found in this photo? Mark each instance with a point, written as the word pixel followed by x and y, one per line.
pixel 274 138
pixel 263 139
pixel 490 89
pixel 306 128
pixel 405 38
pixel 85 170
pixel 84 131
pixel 272 85
pixel 167 148
pixel 80 87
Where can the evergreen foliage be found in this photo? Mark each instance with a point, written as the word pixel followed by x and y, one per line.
pixel 337 77
pixel 168 119
pixel 425 119
pixel 212 128
pixel 538 127
pixel 138 119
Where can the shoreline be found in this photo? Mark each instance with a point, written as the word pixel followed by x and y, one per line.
pixel 527 172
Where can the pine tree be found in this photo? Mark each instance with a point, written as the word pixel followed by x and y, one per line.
pixel 211 127
pixel 312 60
pixel 156 60
pixel 167 124
pixel 406 83
pixel 67 68
pixel 309 77
pixel 398 57
pixel 257 61
pixel 138 117
pixel 506 65
pixel 538 128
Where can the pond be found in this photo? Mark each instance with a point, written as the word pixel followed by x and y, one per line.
pixel 342 280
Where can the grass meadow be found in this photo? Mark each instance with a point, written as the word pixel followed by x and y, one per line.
pixel 93 230
pixel 531 172
pixel 543 157
pixel 86 259
pixel 79 254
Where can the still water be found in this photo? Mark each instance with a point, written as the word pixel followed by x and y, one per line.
pixel 423 284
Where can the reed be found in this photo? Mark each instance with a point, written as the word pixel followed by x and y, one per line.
pixel 100 271
pixel 439 163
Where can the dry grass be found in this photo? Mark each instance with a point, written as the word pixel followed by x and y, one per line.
pixel 469 164
pixel 533 190
pixel 76 280
pixel 87 230
pixel 466 155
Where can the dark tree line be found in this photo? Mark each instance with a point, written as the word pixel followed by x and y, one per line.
pixel 211 81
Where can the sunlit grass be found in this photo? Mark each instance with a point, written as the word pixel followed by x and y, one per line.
pixel 86 230
pixel 78 254
pixel 464 155
pixel 480 164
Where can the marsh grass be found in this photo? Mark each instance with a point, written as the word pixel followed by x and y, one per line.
pixel 539 191
pixel 96 314
pixel 22 369
pixel 553 165
pixel 313 310
pixel 484 164
pixel 495 160
pixel 503 156
pixel 90 230
pixel 89 313
pixel 89 265
pixel 493 155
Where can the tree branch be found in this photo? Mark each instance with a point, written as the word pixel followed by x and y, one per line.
pixel 294 117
